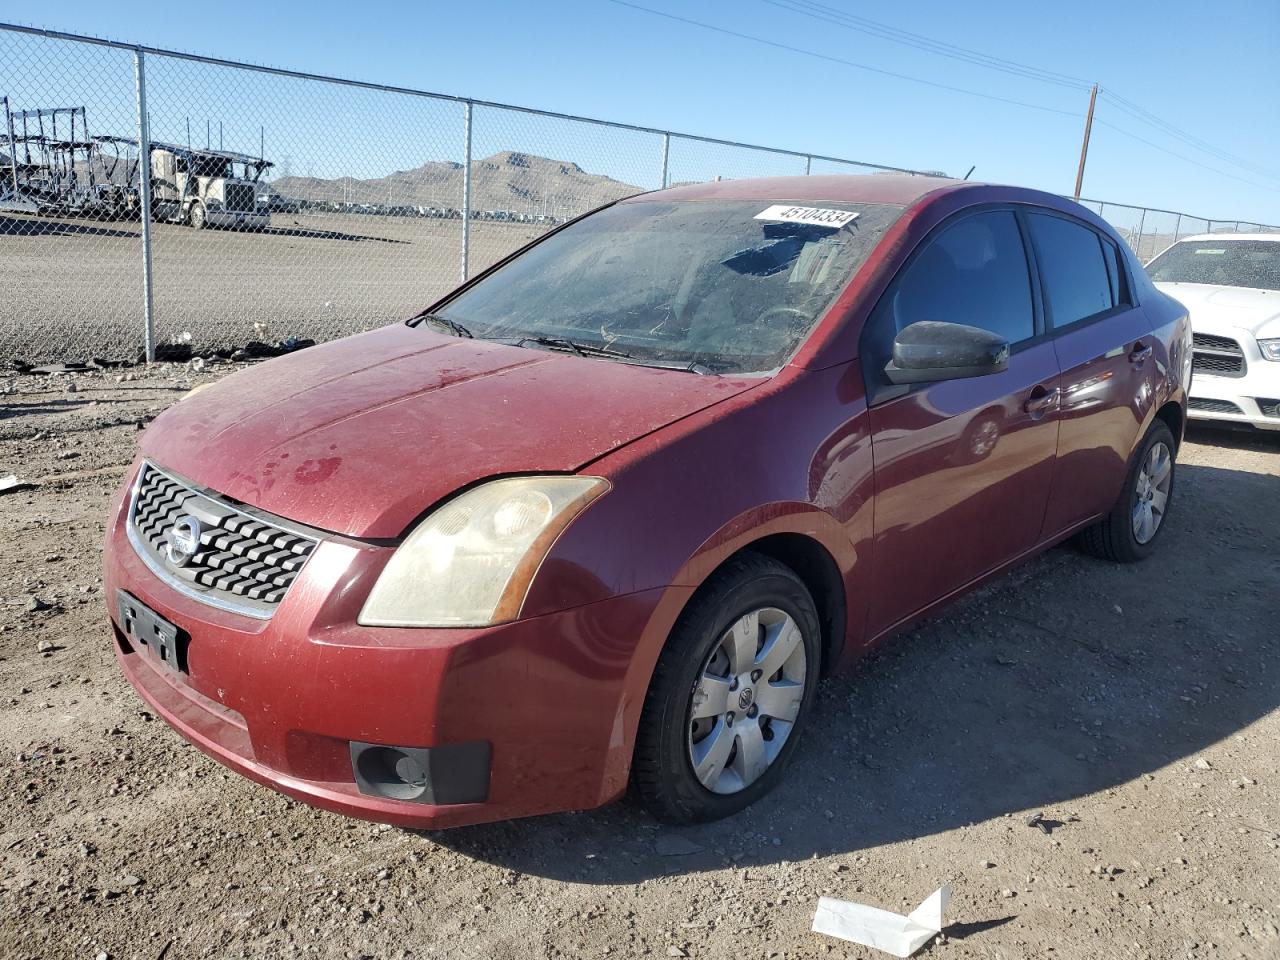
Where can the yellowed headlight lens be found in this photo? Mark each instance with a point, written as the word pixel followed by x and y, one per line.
pixel 470 563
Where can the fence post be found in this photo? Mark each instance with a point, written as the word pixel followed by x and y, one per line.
pixel 1142 227
pixel 1177 228
pixel 808 165
pixel 13 147
pixel 466 186
pixel 144 190
pixel 666 158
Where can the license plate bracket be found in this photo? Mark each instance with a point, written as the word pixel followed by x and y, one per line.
pixel 151 634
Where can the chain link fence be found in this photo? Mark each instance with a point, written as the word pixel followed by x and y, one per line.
pixel 155 203
pixel 1149 231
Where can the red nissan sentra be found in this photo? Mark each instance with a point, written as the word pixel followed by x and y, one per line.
pixel 604 515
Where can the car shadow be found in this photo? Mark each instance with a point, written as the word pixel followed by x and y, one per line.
pixel 1236 437
pixel 1065 677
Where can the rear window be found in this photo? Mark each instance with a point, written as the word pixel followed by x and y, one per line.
pixel 733 286
pixel 1077 282
pixel 1227 263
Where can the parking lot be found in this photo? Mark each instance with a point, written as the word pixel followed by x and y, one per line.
pixel 76 284
pixel 1136 708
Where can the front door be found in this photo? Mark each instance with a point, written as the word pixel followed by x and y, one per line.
pixel 962 467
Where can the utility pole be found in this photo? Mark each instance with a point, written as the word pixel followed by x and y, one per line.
pixel 1084 147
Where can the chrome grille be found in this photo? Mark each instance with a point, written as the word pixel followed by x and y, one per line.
pixel 1218 356
pixel 241 197
pixel 243 562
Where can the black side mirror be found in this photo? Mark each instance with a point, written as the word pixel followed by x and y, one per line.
pixel 928 351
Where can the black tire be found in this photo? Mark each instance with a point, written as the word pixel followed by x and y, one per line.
pixel 1113 538
pixel 662 773
pixel 195 216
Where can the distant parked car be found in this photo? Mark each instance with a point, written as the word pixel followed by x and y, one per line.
pixel 1231 285
pixel 278 203
pixel 607 512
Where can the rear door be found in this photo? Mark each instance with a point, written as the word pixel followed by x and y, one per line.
pixel 1104 348
pixel 962 467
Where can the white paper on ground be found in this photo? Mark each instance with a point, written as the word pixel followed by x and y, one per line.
pixel 873 927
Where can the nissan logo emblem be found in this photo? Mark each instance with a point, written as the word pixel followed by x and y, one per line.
pixel 183 541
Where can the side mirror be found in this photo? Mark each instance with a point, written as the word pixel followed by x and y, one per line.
pixel 927 351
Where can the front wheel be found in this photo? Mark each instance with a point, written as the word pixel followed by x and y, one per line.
pixel 1129 532
pixel 730 694
pixel 195 216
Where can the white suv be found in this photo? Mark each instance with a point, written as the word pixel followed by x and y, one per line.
pixel 1230 284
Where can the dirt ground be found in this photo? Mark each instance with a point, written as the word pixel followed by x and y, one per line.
pixel 1134 707
pixel 75 285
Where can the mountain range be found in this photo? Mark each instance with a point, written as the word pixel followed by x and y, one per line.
pixel 519 182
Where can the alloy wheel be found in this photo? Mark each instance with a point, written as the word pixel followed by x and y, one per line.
pixel 1151 497
pixel 745 702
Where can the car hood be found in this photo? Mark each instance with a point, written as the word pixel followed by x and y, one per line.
pixel 361 435
pixel 1217 309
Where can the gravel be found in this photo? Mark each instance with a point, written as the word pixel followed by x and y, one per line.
pixel 1070 693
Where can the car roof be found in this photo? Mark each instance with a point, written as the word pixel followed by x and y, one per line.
pixel 1229 237
pixel 895 188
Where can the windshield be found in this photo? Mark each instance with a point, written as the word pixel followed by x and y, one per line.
pixel 730 286
pixel 203 165
pixel 1228 263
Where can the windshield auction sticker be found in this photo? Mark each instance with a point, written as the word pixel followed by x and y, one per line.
pixel 818 216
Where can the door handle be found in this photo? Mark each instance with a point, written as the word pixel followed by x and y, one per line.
pixel 1141 353
pixel 1041 400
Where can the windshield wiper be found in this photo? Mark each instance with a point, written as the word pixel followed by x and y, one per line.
pixel 439 320
pixel 689 366
pixel 573 346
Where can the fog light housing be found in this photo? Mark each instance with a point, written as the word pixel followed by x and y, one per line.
pixel 454 773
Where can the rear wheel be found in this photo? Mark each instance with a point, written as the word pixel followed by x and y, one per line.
pixel 730 694
pixel 195 216
pixel 1129 532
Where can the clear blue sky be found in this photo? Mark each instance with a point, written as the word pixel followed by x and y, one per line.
pixel 1209 69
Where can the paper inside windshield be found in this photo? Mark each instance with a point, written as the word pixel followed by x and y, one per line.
pixel 817 216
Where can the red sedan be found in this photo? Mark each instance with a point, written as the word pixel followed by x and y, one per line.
pixel 605 514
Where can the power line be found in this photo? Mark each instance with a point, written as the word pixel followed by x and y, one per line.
pixel 850 21
pixel 847 63
pixel 1173 153
pixel 1146 116
pixel 1008 66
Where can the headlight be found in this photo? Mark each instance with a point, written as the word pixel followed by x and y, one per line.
pixel 1270 349
pixel 469 564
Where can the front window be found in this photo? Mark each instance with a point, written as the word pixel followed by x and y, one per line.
pixel 1227 263
pixel 204 165
pixel 723 286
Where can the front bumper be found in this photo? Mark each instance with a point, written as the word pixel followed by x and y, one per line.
pixel 281 701
pixel 1251 400
pixel 238 220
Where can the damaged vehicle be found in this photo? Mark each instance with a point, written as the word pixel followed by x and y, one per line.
pixel 602 517
pixel 1231 285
